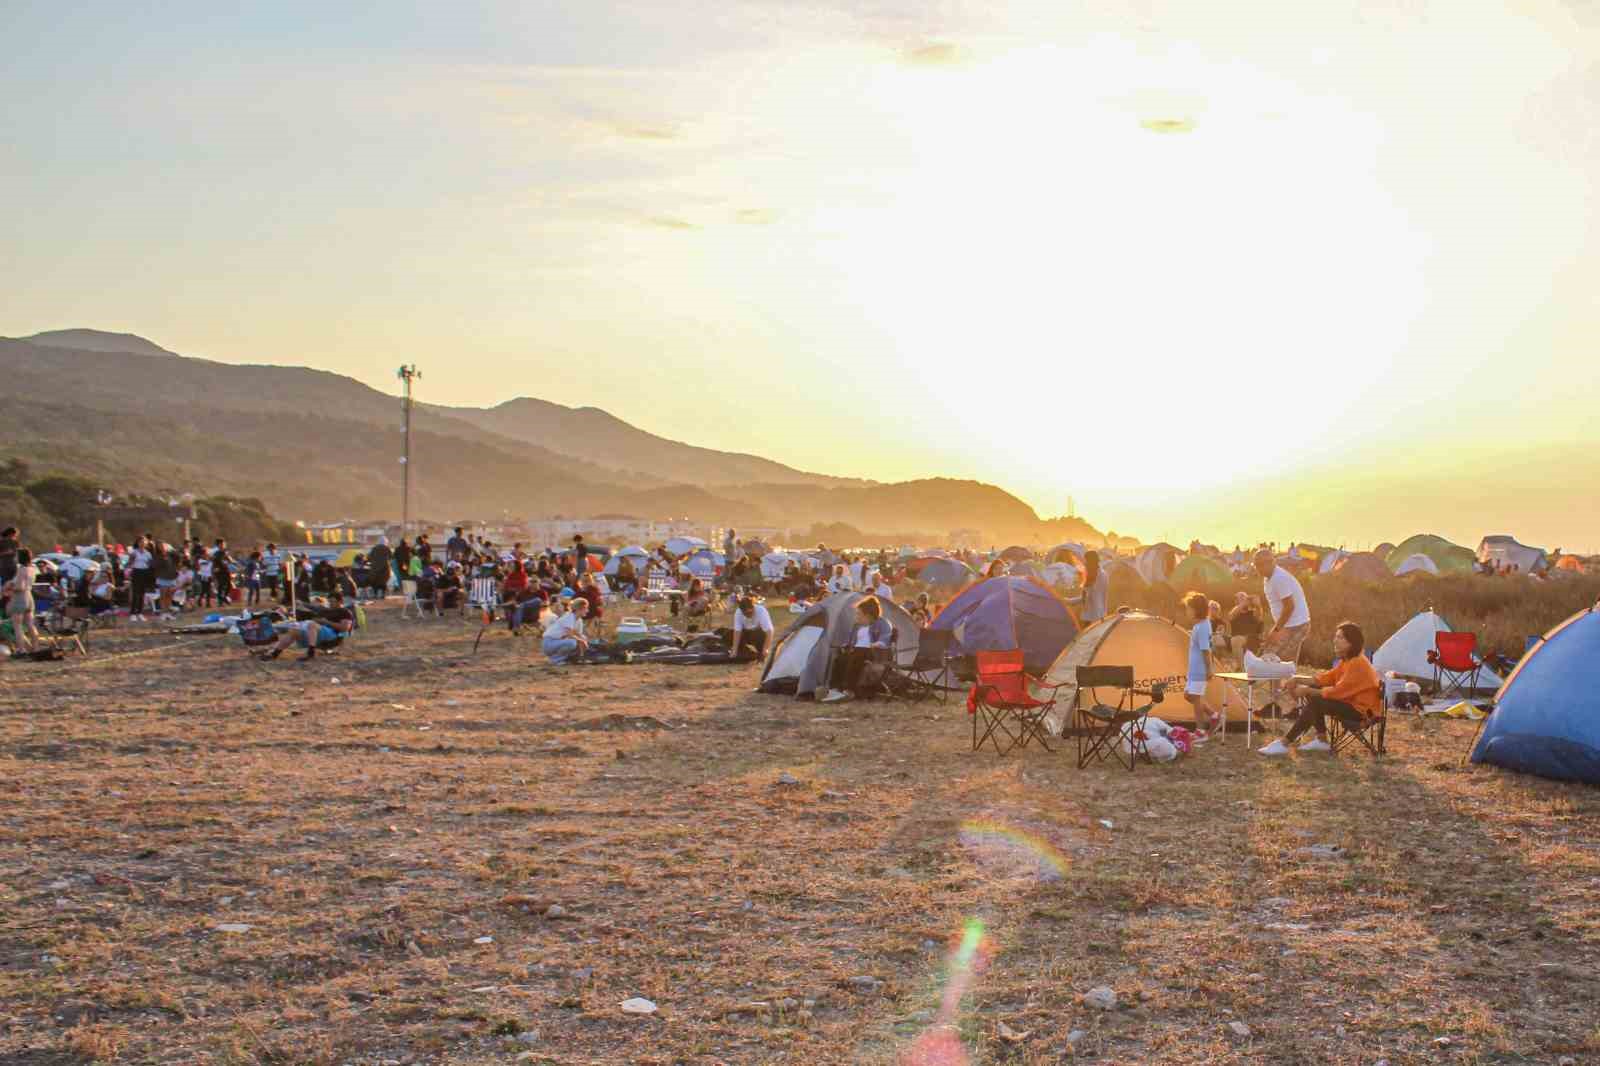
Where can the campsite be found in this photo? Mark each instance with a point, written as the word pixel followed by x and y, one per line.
pixel 415 853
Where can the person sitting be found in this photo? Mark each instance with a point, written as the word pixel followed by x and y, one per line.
pixel 325 628
pixel 841 581
pixel 345 582
pixel 589 589
pixel 447 589
pixel 921 610
pixel 627 578
pixel 426 579
pixel 1350 692
pixel 697 603
pixel 752 629
pixel 102 592
pixel 323 577
pixel 1244 626
pixel 870 632
pixel 564 639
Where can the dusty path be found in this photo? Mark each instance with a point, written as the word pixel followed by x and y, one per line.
pixel 625 832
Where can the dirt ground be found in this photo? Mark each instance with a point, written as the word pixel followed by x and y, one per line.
pixel 411 853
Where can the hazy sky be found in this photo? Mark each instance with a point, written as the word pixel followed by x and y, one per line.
pixel 1227 270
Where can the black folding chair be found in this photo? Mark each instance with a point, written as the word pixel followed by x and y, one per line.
pixel 1100 727
pixel 1369 734
pixel 929 673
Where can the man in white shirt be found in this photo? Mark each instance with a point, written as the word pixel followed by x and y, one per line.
pixel 841 580
pixel 752 629
pixel 1287 606
pixel 858 573
pixel 564 639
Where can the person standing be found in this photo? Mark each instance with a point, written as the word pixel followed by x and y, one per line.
pixel 272 569
pixel 141 562
pixel 10 542
pixel 580 554
pixel 456 549
pixel 730 544
pixel 379 563
pixel 1291 614
pixel 222 572
pixel 20 606
pixel 252 579
pixel 1096 588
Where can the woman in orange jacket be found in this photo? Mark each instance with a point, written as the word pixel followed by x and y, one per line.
pixel 1350 692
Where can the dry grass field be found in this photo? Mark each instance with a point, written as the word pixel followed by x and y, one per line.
pixel 409 853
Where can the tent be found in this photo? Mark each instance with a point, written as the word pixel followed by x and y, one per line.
pixel 1200 570
pixel 1382 550
pixel 800 658
pixel 1070 552
pixel 1417 564
pixel 1447 558
pixel 1546 719
pixel 681 546
pixel 1504 552
pixel 1017 554
pixel 1156 563
pixel 1330 562
pixel 705 563
pixel 1062 574
pixel 1027 569
pixel 1004 613
pixel 1406 651
pixel 1570 562
pixel 1158 651
pixel 1362 566
pixel 758 548
pixel 773 565
pixel 640 558
pixel 948 572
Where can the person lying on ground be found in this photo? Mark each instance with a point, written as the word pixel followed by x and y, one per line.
pixel 564 638
pixel 870 632
pixel 752 629
pixel 1350 692
pixel 327 626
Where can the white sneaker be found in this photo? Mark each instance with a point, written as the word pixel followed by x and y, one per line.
pixel 1316 745
pixel 1277 747
pixel 835 696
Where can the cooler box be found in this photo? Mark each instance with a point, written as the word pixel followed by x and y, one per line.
pixel 631 629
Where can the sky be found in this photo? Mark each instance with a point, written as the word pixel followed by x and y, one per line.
pixel 1234 271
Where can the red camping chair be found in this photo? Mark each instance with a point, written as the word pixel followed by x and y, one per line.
pixel 1003 700
pixel 1455 666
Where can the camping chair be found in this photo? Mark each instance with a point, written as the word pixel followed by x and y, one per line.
pixel 62 622
pixel 1369 734
pixel 1101 727
pixel 484 592
pixel 1455 666
pixel 1002 700
pixel 877 673
pixel 408 590
pixel 929 673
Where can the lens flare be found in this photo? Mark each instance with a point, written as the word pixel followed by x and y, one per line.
pixel 982 832
pixel 940 1044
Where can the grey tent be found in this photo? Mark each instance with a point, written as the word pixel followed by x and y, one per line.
pixel 800 658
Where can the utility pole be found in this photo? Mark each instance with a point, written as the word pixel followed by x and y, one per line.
pixel 406 374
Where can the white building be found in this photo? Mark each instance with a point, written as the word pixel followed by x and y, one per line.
pixel 616 530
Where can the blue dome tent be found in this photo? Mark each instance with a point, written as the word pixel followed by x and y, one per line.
pixel 1546 719
pixel 1004 613
pixel 945 572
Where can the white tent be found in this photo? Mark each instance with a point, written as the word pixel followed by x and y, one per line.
pixel 1505 552
pixel 1062 574
pixel 681 546
pixel 1331 560
pixel 1157 562
pixel 705 563
pixel 639 556
pixel 1416 564
pixel 1406 652
pixel 800 658
pixel 772 566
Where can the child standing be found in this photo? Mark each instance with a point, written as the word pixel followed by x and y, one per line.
pixel 252 579
pixel 1207 720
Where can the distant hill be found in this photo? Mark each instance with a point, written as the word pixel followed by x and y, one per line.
pixel 95 340
pixel 609 441
pixel 311 444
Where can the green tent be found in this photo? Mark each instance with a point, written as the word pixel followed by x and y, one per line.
pixel 1199 570
pixel 1449 558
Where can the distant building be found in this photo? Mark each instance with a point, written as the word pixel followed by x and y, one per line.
pixel 617 530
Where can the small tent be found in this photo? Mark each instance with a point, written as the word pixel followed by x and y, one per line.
pixel 1330 562
pixel 1062 575
pixel 1406 651
pixel 950 573
pixel 1017 554
pixel 1570 563
pixel 1157 562
pixel 1027 569
pixel 1362 566
pixel 1158 651
pixel 681 546
pixel 1546 719
pixel 1447 558
pixel 799 660
pixel 1503 552
pixel 639 556
pixel 1005 613
pixel 1417 564
pixel 1070 552
pixel 1200 570
pixel 705 563
pixel 1382 550
pixel 773 565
